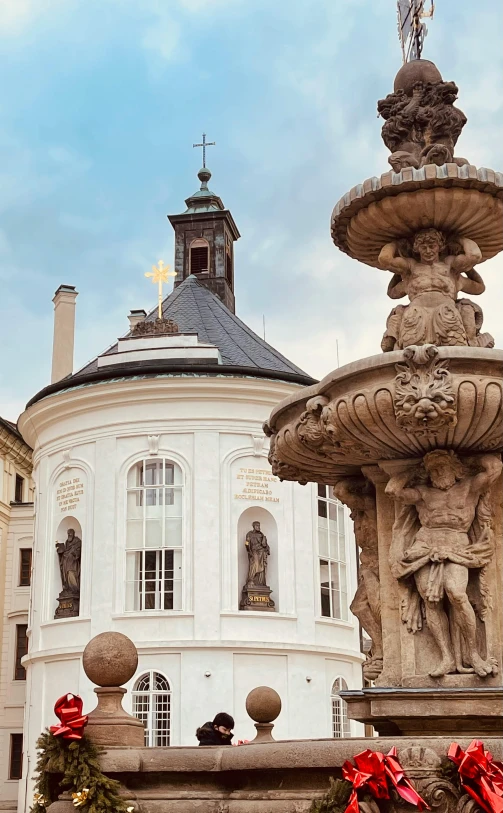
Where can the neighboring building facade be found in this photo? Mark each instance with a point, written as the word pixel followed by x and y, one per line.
pixel 16 540
pixel 154 456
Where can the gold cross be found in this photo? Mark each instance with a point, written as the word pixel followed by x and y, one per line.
pixel 160 274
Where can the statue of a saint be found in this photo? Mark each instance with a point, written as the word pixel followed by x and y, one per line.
pixel 69 553
pixel 442 537
pixel 432 280
pixel 359 495
pixel 258 550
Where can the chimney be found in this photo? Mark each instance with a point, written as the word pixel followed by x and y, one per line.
pixel 135 317
pixel 64 332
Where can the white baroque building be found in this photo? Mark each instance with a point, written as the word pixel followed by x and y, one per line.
pixel 154 454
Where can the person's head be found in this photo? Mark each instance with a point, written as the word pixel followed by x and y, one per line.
pixel 223 723
pixel 256 526
pixel 428 243
pixel 443 467
pixel 71 533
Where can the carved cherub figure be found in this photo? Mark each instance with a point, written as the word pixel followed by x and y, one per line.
pixel 432 279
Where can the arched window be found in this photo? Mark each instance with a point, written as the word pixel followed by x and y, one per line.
pixel 199 256
pixel 154 536
pixel 332 554
pixel 152 705
pixel 340 724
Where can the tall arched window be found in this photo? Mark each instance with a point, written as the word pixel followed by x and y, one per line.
pixel 152 705
pixel 341 726
pixel 199 256
pixel 154 536
pixel 332 553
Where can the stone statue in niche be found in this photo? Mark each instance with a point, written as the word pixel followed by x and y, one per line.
pixel 359 495
pixel 256 595
pixel 442 543
pixel 432 273
pixel 69 553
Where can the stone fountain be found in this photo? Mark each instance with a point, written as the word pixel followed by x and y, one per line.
pixel 411 439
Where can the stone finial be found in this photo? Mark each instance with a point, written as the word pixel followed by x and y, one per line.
pixel 109 660
pixel 263 705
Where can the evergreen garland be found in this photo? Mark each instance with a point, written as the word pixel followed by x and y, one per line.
pixel 335 799
pixel 78 762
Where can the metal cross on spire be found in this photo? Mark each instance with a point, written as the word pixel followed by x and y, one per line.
pixel 411 29
pixel 205 144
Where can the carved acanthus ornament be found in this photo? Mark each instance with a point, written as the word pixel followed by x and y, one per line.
pixel 424 400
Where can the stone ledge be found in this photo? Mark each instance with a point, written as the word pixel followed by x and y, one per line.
pixel 284 755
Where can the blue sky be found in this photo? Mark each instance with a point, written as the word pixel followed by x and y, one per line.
pixel 100 103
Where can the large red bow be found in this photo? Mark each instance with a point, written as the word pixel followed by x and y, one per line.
pixel 376 772
pixel 480 775
pixel 69 711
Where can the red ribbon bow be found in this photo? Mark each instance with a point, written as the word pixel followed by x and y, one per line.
pixel 69 711
pixel 480 775
pixel 378 772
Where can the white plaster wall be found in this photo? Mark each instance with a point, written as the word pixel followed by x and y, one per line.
pixel 16 601
pixel 211 653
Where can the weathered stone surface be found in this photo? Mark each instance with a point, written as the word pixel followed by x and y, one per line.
pixel 349 419
pixel 452 201
pixel 278 777
pixel 263 704
pixel 110 659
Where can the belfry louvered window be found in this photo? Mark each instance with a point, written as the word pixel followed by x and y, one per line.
pixel 199 256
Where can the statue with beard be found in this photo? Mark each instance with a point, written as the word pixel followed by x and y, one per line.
pixel 443 539
pixel 69 553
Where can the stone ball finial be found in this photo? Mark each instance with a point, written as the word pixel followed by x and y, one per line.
pixel 263 704
pixel 419 70
pixel 204 175
pixel 110 659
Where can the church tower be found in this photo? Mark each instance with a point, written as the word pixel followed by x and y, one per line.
pixel 204 242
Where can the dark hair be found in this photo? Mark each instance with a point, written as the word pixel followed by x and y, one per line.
pixel 223 719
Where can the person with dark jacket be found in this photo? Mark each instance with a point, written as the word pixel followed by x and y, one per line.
pixel 218 732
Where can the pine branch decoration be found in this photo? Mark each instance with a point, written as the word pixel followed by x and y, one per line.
pixel 336 798
pixel 78 763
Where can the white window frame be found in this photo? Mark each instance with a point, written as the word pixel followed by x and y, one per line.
pixel 339 722
pixel 332 562
pixel 157 491
pixel 149 715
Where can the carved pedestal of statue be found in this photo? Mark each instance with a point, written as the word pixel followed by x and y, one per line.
pixel 256 595
pixel 412 439
pixel 69 554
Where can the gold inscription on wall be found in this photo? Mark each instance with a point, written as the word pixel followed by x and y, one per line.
pixel 69 493
pixel 255 485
